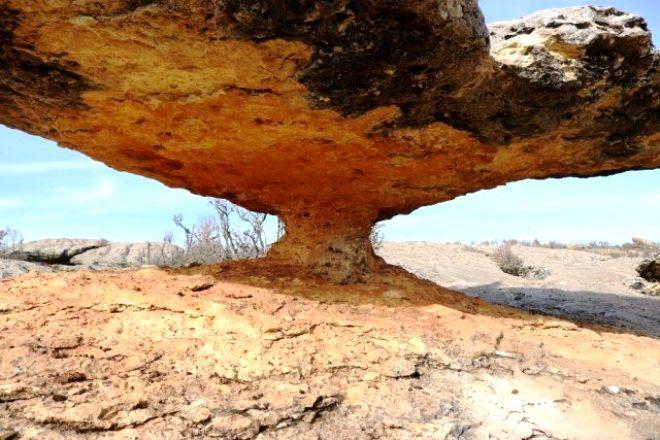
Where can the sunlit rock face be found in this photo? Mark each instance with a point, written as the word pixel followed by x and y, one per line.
pixel 332 114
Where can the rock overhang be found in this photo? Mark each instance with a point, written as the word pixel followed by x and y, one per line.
pixel 332 113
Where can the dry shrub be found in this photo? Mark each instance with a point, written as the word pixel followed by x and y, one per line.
pixel 165 253
pixel 640 247
pixel 653 289
pixel 11 241
pixel 512 264
pixel 636 248
pixel 376 237
pixel 506 260
pixel 232 233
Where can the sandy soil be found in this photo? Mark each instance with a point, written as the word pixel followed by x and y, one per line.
pixel 581 285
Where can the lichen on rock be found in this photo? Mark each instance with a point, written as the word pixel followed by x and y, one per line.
pixel 332 115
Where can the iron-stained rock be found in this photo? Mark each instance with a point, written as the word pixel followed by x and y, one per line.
pixel 333 114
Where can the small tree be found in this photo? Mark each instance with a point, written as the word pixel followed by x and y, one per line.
pixel 233 233
pixel 202 243
pixel 11 240
pixel 245 238
pixel 376 236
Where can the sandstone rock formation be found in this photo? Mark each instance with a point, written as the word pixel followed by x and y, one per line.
pixel 336 114
pixel 650 269
pixel 581 285
pixel 129 255
pixel 56 250
pixel 97 253
pixel 185 355
pixel 12 268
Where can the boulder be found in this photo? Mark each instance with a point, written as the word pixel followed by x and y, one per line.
pixel 332 115
pixel 11 268
pixel 650 269
pixel 130 255
pixel 637 283
pixel 55 250
pixel 100 253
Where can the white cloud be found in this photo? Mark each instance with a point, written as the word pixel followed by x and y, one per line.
pixel 563 203
pixel 44 167
pixel 652 201
pixel 72 195
pixel 7 203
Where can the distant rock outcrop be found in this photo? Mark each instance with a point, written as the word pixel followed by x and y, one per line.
pixel 55 250
pixel 334 114
pixel 12 268
pixel 91 253
pixel 129 255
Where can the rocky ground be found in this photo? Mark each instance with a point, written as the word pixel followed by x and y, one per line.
pixel 65 255
pixel 583 285
pixel 580 285
pixel 243 351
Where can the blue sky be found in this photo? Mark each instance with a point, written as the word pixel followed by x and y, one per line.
pixel 47 191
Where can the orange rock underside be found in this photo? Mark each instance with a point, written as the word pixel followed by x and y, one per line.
pixel 200 100
pixel 225 117
pixel 229 120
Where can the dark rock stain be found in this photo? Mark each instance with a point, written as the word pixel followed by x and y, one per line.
pixel 27 79
pixel 616 146
pixel 152 162
pixel 411 54
pixel 506 106
pixel 374 53
pixel 430 58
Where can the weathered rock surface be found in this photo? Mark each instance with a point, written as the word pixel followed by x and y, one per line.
pixel 214 353
pixel 55 250
pixel 97 253
pixel 332 114
pixel 650 269
pixel 12 268
pixel 129 255
pixel 581 285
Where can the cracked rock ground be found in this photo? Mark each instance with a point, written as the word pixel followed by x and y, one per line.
pixel 217 352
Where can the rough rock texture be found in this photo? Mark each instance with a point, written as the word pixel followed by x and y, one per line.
pixel 12 268
pixel 213 353
pixel 332 114
pixel 129 255
pixel 579 285
pixel 650 269
pixel 98 253
pixel 56 250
